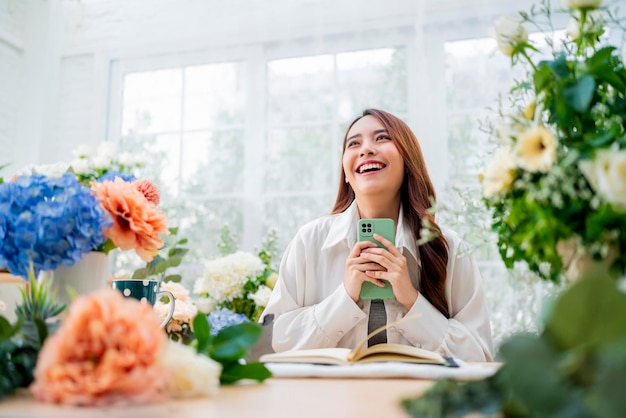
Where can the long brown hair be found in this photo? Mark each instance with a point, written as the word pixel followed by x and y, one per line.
pixel 416 191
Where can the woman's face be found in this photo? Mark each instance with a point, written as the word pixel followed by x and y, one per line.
pixel 371 161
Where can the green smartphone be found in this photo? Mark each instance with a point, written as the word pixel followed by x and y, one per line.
pixel 365 232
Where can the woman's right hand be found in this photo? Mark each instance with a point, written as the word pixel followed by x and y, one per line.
pixel 356 266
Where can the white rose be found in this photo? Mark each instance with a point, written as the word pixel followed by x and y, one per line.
pixel 191 374
pixel 607 175
pixel 3 306
pixel 593 23
pixel 206 305
pixel 55 170
pixel 107 150
pixel 101 162
pixel 261 296
pixel 499 174
pixel 127 159
pixel 581 4
pixel 83 151
pixel 509 33
pixel 80 165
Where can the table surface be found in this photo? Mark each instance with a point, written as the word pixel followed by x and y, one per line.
pixel 276 398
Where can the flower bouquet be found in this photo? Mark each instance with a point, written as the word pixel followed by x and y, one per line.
pixel 49 215
pixel 557 182
pixel 240 282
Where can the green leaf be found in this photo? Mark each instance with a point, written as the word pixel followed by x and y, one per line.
pixel 108 246
pixel 234 342
pixel 590 313
pixel 202 333
pixel 606 396
pixel 235 372
pixel 175 260
pixel 579 95
pixel 176 278
pixel 140 273
pixel 542 77
pixel 6 330
pixel 532 377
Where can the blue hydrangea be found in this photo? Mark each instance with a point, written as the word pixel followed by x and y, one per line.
pixel 49 221
pixel 223 318
pixel 110 176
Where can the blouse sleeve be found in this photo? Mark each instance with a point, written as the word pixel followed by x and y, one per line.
pixel 467 333
pixel 297 324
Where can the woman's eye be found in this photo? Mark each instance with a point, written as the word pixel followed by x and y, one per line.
pixel 351 144
pixel 382 137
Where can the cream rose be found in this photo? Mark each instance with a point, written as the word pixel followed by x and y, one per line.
pixel 607 175
pixel 509 33
pixel 261 296
pixel 593 23
pixel 271 280
pixel 581 4
pixel 191 374
pixel 206 305
pixel 535 149
pixel 499 174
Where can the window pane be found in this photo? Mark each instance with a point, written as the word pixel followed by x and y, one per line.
pixel 372 78
pixel 288 214
pixel 151 101
pixel 201 221
pixel 161 154
pixel 299 160
pixel 213 162
pixel 300 89
pixel 214 95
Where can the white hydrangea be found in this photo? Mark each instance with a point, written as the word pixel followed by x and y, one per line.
pixel 225 277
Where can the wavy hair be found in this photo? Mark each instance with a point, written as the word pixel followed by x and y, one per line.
pixel 415 193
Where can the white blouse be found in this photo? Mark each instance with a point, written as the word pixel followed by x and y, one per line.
pixel 312 308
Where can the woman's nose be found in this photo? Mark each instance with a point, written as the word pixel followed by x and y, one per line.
pixel 367 149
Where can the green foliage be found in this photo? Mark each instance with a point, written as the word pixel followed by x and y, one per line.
pixel 229 347
pixel 38 306
pixel 580 98
pixel 17 358
pixel 575 368
pixel 171 255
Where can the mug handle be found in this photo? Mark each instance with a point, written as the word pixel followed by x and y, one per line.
pixel 172 306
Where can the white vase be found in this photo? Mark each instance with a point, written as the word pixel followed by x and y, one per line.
pixel 89 274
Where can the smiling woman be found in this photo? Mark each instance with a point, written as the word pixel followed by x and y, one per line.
pixel 317 301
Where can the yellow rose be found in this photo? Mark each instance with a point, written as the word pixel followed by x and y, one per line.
pixel 535 149
pixel 271 280
pixel 529 111
pixel 499 174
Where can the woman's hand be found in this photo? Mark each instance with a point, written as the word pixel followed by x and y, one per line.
pixel 356 268
pixel 394 270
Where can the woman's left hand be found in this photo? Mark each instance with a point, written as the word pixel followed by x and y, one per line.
pixel 397 273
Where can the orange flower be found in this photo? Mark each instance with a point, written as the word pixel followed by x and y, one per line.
pixel 149 190
pixel 137 222
pixel 106 352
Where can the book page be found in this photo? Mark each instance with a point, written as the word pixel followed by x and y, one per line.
pixel 335 355
pixel 398 352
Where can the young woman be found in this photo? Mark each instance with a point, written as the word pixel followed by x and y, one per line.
pixel 316 301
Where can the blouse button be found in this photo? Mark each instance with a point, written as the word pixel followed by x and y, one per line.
pixel 339 333
pixel 355 319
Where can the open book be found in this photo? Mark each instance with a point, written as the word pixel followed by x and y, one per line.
pixel 376 353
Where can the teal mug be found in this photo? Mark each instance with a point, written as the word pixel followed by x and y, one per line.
pixel 145 291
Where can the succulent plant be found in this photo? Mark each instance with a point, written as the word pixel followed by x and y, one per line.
pixel 38 307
